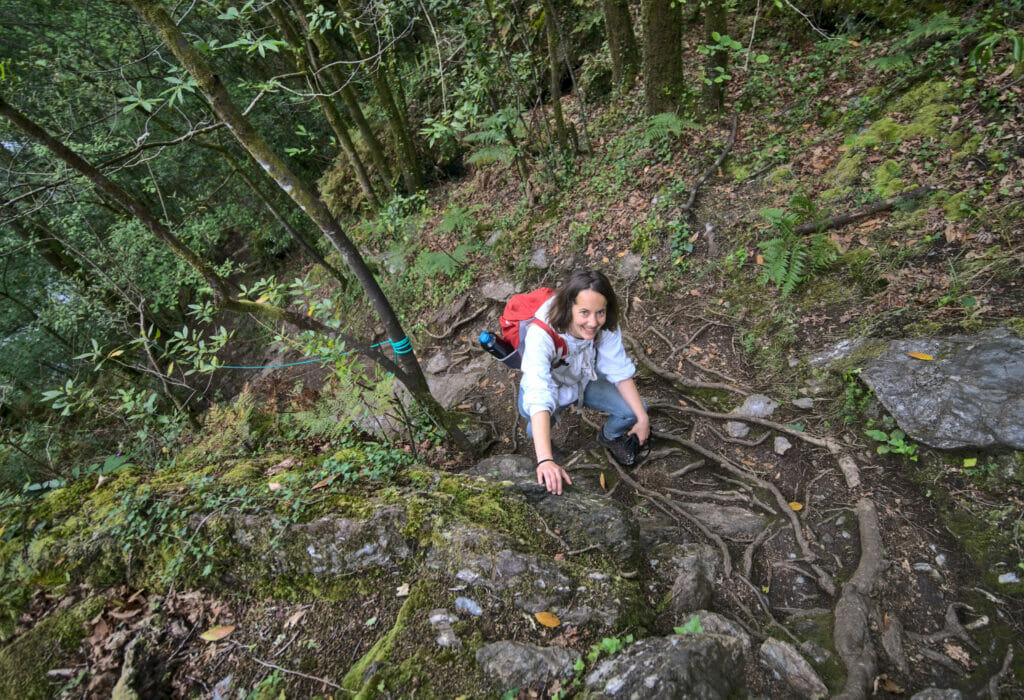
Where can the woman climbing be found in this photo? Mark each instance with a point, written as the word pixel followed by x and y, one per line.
pixel 595 372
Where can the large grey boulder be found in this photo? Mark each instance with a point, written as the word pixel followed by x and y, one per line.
pixel 701 667
pixel 325 547
pixel 970 395
pixel 787 662
pixel 516 664
pixel 690 569
pixel 580 517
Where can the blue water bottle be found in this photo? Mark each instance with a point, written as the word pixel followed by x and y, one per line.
pixel 496 346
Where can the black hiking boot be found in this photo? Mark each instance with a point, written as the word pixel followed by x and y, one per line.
pixel 626 449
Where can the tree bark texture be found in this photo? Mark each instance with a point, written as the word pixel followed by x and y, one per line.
pixel 663 55
pixel 303 194
pixel 622 44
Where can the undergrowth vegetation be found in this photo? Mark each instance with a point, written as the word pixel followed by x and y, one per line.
pixel 827 126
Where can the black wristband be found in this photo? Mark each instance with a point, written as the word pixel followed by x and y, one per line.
pixel 545 460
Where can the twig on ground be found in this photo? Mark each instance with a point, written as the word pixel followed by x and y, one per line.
pixel 282 669
pixel 448 331
pixel 714 166
pixel 701 368
pixel 671 347
pixel 700 330
pixel 843 219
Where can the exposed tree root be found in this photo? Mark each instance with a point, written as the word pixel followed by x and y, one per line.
pixel 829 444
pixel 674 378
pixel 448 331
pixel 993 683
pixel 851 636
pixel 824 581
pixel 664 503
pixel 843 219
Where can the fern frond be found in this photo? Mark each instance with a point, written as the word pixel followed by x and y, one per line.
pixel 776 261
pixel 797 267
pixel 492 154
pixel 940 23
pixel 457 218
pixel 431 264
pixel 824 251
pixel 900 61
pixel 666 124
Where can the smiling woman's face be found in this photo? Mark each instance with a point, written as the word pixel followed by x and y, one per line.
pixel 588 314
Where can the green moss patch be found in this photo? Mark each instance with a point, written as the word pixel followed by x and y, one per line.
pixel 25 661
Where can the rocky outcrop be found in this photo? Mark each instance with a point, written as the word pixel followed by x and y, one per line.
pixel 678 666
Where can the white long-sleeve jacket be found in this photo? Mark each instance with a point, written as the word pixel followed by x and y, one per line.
pixel 545 388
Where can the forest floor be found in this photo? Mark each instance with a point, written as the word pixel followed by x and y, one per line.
pixel 817 139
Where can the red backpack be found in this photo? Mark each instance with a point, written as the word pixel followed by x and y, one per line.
pixel 520 312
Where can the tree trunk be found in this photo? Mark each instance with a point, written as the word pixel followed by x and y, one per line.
pixel 554 65
pixel 337 124
pixel 307 199
pixel 663 55
pixel 715 21
pixel 328 58
pixel 412 173
pixel 622 44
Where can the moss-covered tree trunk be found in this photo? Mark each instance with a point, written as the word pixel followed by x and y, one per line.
pixel 622 46
pixel 663 55
pixel 210 85
pixel 715 22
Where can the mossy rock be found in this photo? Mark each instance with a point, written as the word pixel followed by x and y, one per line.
pixel 24 662
pixel 885 180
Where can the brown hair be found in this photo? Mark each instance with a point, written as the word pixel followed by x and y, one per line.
pixel 560 315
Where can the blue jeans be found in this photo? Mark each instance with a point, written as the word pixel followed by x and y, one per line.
pixel 601 395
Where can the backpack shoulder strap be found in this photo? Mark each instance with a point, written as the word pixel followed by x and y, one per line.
pixel 560 345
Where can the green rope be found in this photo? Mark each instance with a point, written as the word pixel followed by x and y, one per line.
pixel 401 347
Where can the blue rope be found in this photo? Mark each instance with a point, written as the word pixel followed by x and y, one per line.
pixel 401 347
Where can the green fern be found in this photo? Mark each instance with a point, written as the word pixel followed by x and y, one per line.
pixel 502 153
pixel 665 125
pixel 431 264
pixel 457 219
pixel 824 252
pixel 937 24
pixel 886 64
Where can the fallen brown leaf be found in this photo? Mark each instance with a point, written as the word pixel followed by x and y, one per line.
pixel 215 634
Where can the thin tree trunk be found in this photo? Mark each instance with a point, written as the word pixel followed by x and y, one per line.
pixel 223 290
pixel 715 21
pixel 554 65
pixel 622 44
pixel 306 197
pixel 411 171
pixel 337 124
pixel 325 55
pixel 663 55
